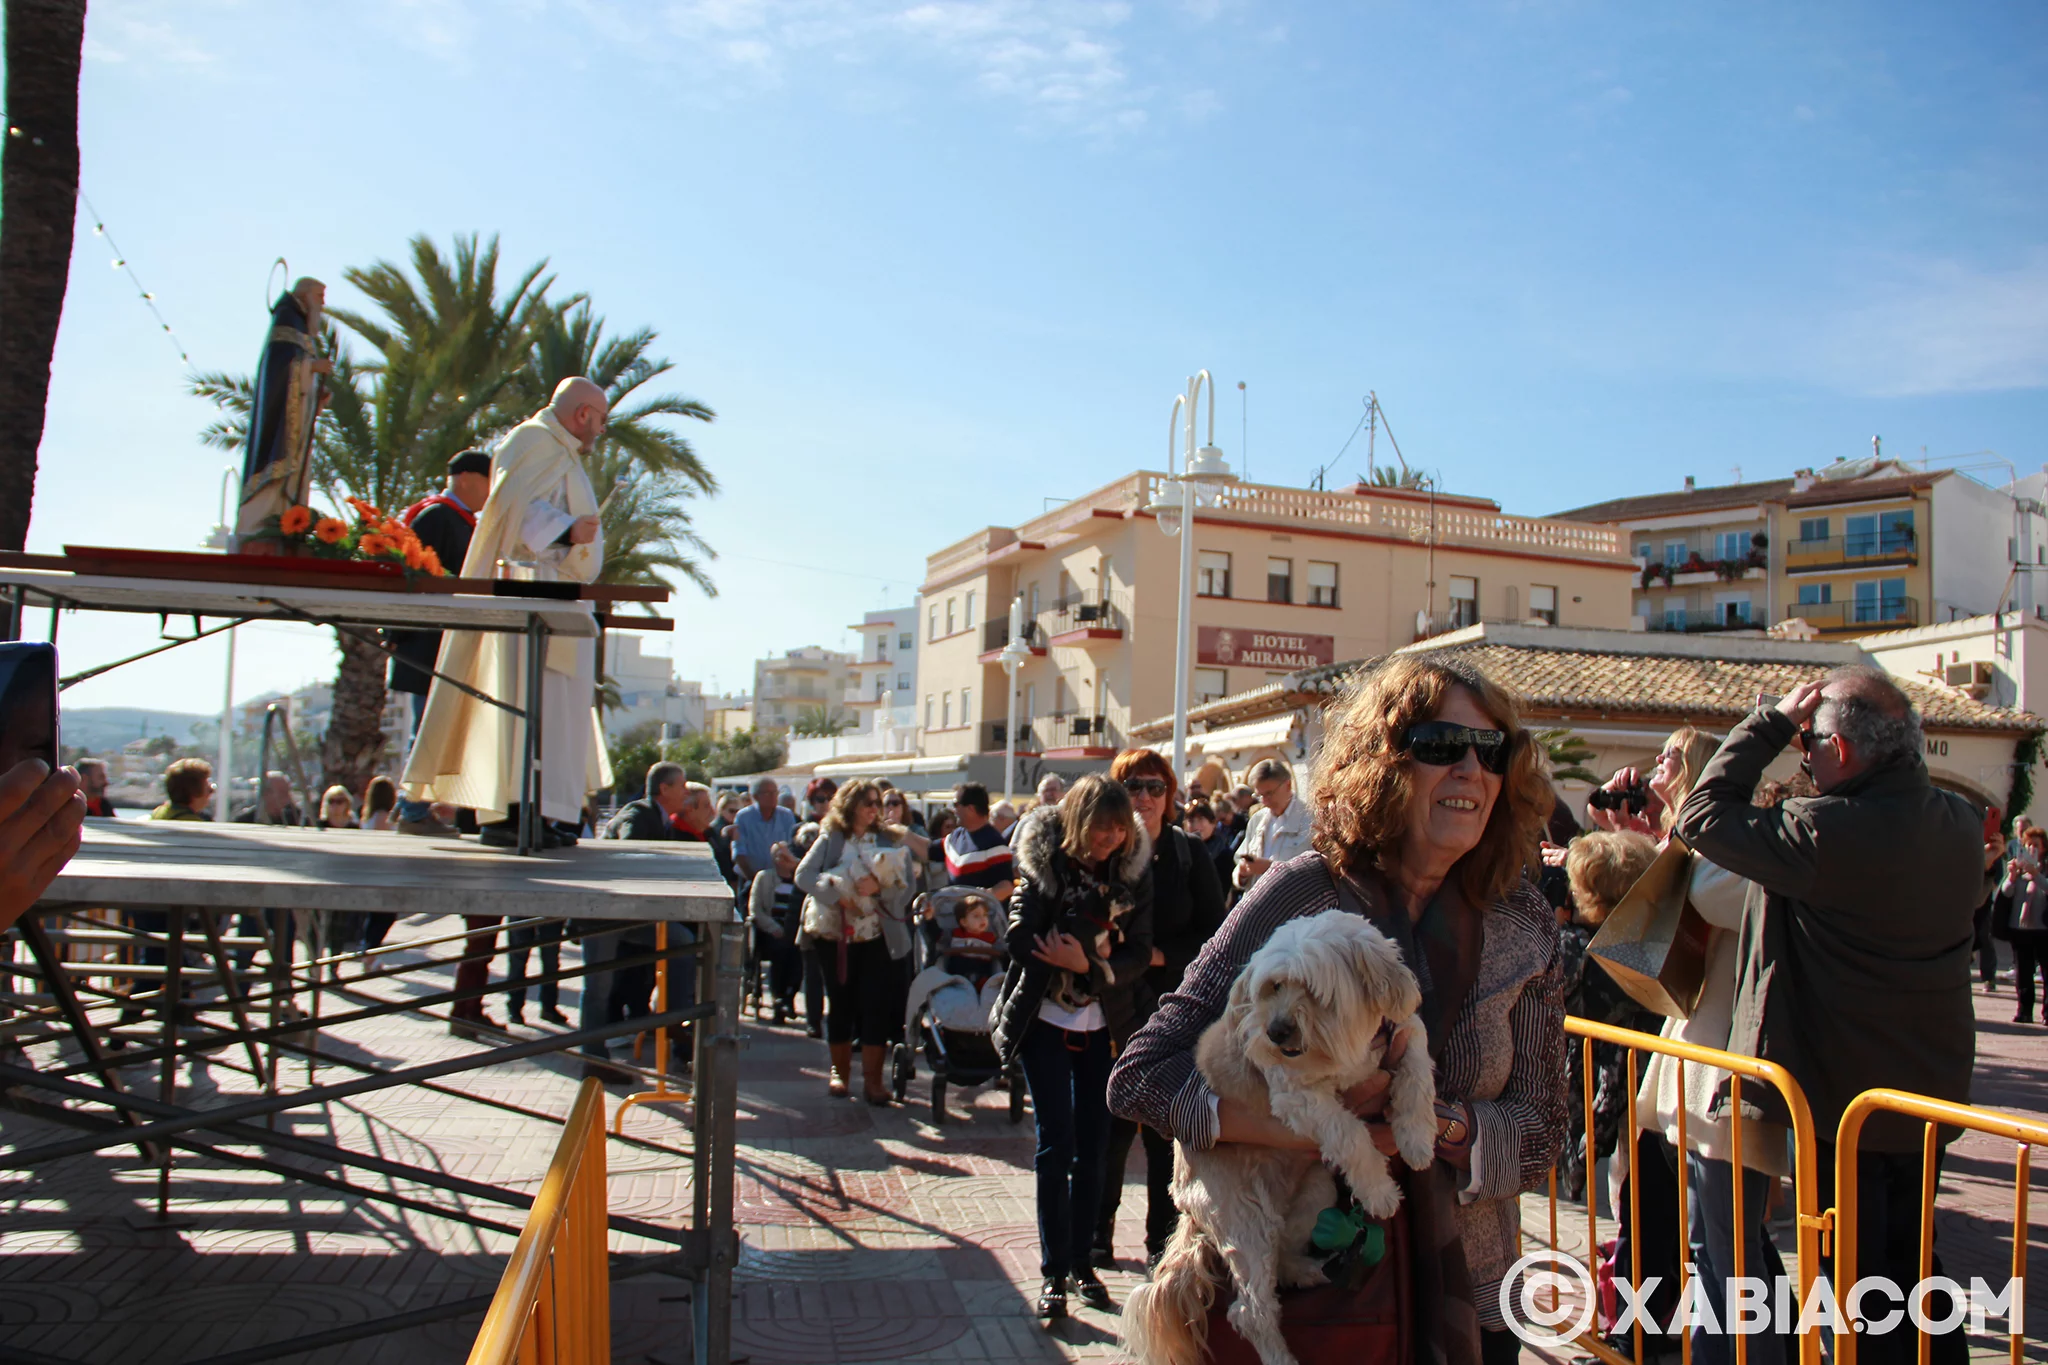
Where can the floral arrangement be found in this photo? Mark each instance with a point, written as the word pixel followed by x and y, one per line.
pixel 376 538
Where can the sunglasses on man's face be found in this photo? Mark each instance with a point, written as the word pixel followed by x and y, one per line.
pixel 1145 786
pixel 1442 744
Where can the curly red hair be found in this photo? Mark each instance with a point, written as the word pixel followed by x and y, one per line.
pixel 1362 788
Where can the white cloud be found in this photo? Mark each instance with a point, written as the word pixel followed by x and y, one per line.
pixel 134 30
pixel 1942 326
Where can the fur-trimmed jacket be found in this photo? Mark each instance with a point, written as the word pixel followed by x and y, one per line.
pixel 1111 914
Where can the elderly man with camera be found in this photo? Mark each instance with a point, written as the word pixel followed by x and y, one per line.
pixel 1855 947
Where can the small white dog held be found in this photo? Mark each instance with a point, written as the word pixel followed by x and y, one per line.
pixel 1303 1025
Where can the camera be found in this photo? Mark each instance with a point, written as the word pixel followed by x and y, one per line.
pixel 1636 799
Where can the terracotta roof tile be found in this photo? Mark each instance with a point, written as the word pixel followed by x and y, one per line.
pixel 1672 504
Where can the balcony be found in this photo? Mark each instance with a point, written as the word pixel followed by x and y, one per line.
pixel 1086 620
pixel 995 634
pixel 1078 732
pixel 1699 625
pixel 995 736
pixel 1870 613
pixel 1869 549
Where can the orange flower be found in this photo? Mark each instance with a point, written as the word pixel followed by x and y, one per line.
pixel 329 530
pixel 374 544
pixel 430 560
pixel 295 521
pixel 415 556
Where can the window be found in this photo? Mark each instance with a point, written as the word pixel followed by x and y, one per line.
pixel 1675 553
pixel 1210 684
pixel 1279 580
pixel 927 710
pixel 1891 598
pixel 1732 611
pixel 1813 528
pixel 1543 603
pixel 1322 584
pixel 904 642
pixel 1816 594
pixel 1214 580
pixel 1066 588
pixel 935 624
pixel 1674 616
pixel 968 624
pixel 1641 551
pixel 945 710
pixel 1731 545
pixel 1031 604
pixel 902 682
pixel 949 616
pixel 1464 603
pixel 1030 701
pixel 1895 532
pixel 1861 536
pixel 967 706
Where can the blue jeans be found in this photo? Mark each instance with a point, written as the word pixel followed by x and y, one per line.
pixel 1068 1075
pixel 1713 1253
pixel 409 810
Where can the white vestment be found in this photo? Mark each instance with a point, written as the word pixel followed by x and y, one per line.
pixel 470 753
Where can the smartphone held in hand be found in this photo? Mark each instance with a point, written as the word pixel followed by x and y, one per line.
pixel 28 703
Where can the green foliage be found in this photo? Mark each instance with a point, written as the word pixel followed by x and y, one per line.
pixel 820 722
pixel 1391 476
pixel 702 757
pixel 1569 753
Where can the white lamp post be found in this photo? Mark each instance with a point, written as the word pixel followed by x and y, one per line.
pixel 1013 657
pixel 224 538
pixel 1175 509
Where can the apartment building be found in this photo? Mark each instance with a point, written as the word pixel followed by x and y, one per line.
pixel 1285 578
pixel 649 691
pixel 1852 548
pixel 799 680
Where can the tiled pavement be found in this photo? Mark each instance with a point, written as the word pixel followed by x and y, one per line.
pixel 867 1235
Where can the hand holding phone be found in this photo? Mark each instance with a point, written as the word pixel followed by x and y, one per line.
pixel 42 812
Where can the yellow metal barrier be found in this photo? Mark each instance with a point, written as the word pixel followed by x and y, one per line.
pixel 1805 1184
pixel 1933 1113
pixel 553 1306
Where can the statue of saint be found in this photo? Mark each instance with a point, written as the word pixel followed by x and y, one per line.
pixel 287 398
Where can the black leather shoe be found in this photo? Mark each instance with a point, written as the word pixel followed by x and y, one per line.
pixel 1094 1292
pixel 1103 1254
pixel 554 1016
pixel 1052 1298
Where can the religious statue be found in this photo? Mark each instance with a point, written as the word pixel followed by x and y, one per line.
pixel 288 397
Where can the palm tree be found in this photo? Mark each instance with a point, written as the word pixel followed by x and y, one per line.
pixel 38 206
pixel 1389 476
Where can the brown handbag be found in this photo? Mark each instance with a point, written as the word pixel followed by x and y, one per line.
pixel 1333 1325
pixel 1654 944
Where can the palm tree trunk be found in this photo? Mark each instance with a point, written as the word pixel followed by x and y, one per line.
pixel 352 750
pixel 38 204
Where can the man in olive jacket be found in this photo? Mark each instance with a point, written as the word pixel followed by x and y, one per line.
pixel 1854 956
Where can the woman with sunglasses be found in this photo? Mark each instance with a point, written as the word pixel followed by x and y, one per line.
pixel 1430 799
pixel 1187 907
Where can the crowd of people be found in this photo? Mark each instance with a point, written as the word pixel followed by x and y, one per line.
pixel 1845 907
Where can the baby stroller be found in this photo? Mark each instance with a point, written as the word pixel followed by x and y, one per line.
pixel 948 1018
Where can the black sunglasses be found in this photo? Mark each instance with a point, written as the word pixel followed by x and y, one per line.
pixel 1145 786
pixel 1442 743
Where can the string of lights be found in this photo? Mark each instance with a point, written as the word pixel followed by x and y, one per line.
pixel 99 229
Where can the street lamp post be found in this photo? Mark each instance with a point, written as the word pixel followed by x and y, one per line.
pixel 224 538
pixel 1014 654
pixel 1188 468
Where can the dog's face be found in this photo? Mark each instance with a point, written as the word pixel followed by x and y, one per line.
pixel 1312 998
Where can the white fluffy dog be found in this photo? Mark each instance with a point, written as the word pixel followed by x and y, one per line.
pixel 1304 1024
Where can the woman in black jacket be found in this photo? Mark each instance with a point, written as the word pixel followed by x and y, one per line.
pixel 1080 941
pixel 1187 907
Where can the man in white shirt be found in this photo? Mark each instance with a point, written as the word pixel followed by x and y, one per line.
pixel 1280 825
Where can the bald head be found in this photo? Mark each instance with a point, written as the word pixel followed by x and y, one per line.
pixel 580 406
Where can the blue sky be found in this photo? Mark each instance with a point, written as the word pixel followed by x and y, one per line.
pixel 934 264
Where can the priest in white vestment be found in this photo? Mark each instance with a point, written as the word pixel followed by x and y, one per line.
pixel 540 522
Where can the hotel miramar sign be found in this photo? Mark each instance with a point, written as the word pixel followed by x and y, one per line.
pixel 1232 647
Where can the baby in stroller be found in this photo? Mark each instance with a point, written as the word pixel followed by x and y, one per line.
pixel 971 951
pixel 947 1018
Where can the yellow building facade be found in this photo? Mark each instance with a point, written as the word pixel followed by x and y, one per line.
pixel 1284 578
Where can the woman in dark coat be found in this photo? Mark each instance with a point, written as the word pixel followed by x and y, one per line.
pixel 1187 907
pixel 1080 942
